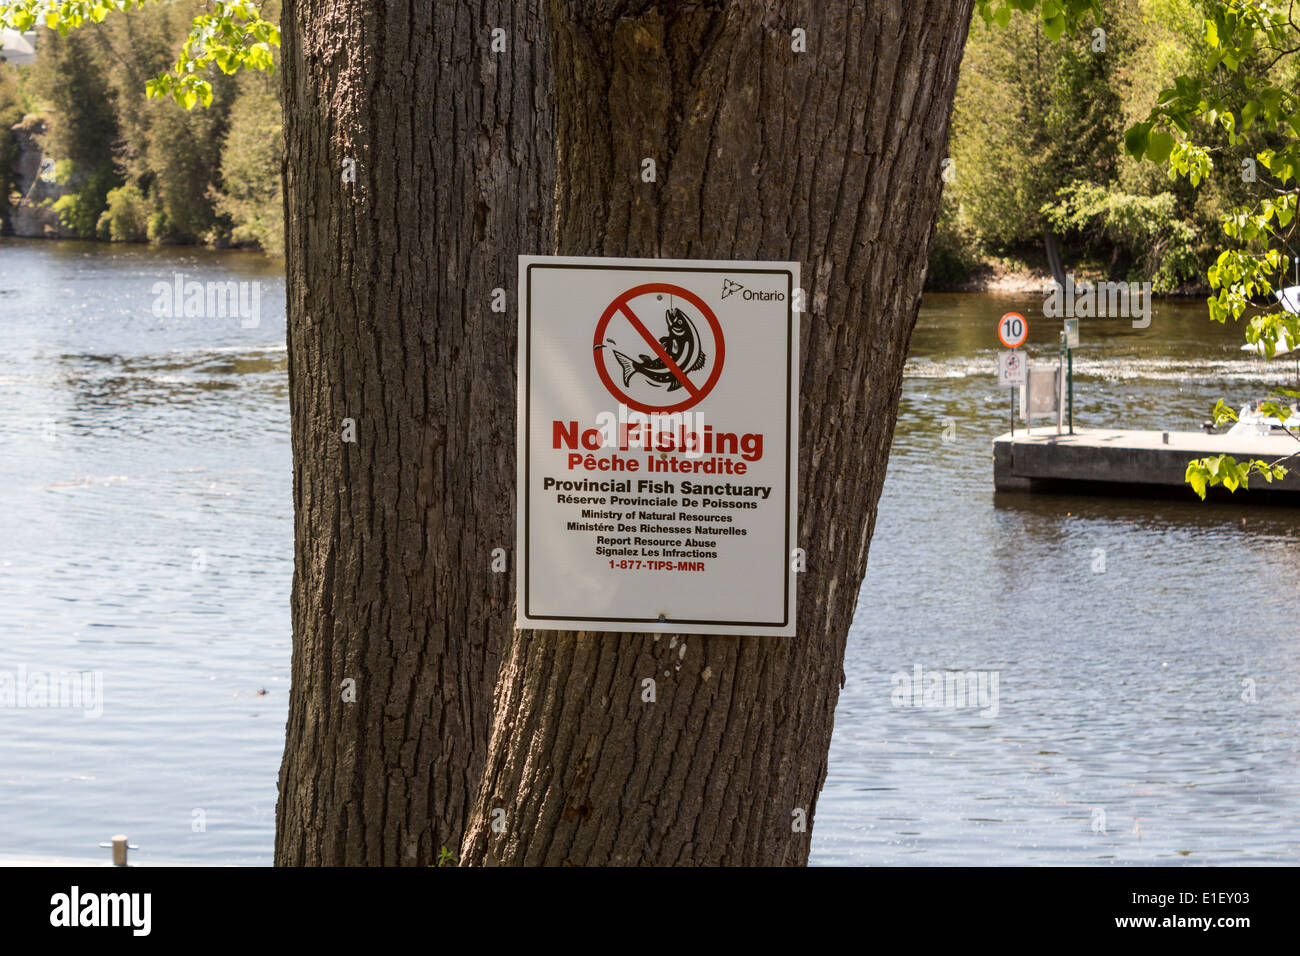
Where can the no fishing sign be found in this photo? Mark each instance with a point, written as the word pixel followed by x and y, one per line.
pixel 658 445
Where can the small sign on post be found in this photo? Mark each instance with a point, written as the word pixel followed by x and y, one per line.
pixel 1011 369
pixel 1012 332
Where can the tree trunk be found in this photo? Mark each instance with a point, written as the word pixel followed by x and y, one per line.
pixel 390 289
pixel 830 157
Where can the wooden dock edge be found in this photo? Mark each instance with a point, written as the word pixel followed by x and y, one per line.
pixel 1140 463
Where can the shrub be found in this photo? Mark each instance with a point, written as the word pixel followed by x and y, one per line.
pixel 158 229
pixel 1143 233
pixel 87 192
pixel 127 217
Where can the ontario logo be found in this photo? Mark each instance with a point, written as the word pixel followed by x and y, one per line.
pixel 730 286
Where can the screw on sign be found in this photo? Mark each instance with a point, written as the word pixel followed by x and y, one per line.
pixel 654 374
pixel 1013 330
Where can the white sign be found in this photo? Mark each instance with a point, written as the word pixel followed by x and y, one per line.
pixel 658 445
pixel 1041 397
pixel 1071 333
pixel 1011 369
pixel 1013 330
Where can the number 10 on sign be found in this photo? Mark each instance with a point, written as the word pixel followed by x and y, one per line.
pixel 1013 330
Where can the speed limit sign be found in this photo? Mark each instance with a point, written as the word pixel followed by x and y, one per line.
pixel 1013 330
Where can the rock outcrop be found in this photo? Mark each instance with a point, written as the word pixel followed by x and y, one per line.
pixel 30 212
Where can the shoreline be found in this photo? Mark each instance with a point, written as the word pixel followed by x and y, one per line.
pixel 124 244
pixel 996 278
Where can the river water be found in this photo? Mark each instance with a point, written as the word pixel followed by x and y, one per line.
pixel 1144 653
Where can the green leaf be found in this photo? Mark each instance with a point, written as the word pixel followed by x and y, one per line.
pixel 1135 139
pixel 1248 113
pixel 1223 413
pixel 1159 145
pixel 1285 211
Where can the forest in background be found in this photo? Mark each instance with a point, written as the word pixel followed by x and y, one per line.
pixel 142 170
pixel 1037 147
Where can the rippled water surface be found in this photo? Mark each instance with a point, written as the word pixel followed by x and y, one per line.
pixel 146 515
pixel 1121 631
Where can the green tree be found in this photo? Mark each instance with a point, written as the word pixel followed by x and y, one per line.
pixel 184 156
pixel 126 218
pixel 11 112
pixel 82 127
pixel 1033 114
pixel 227 34
pixel 1242 86
pixel 250 195
pixel 102 90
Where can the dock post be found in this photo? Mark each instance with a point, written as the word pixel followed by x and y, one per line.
pixel 119 845
pixel 1060 385
pixel 1069 358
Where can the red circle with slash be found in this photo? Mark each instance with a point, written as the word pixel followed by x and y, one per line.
pixel 620 304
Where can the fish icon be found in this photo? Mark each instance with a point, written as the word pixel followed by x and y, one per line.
pixel 682 343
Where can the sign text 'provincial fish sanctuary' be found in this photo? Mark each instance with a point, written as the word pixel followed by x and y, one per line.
pixel 658 445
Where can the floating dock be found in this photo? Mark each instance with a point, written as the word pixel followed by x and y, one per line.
pixel 1113 461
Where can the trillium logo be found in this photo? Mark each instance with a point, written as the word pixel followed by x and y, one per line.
pixel 729 286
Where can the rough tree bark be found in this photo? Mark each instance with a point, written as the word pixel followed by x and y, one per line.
pixel 831 157
pixel 390 283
